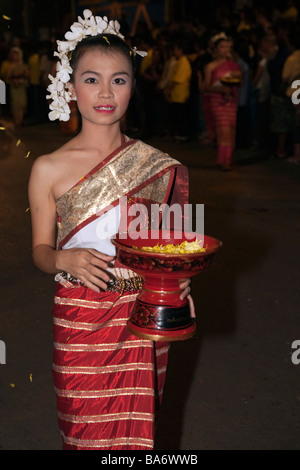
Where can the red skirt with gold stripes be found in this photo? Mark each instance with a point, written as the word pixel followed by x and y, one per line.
pixel 108 382
pixel 224 116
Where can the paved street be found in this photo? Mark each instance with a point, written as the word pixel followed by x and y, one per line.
pixel 234 385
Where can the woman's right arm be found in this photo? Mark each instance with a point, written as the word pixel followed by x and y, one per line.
pixel 43 216
pixel 88 265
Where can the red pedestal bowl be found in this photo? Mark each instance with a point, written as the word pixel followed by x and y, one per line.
pixel 159 314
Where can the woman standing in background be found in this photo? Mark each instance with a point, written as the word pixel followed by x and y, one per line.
pixel 223 98
pixel 17 76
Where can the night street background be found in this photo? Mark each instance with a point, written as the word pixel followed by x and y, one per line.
pixel 233 386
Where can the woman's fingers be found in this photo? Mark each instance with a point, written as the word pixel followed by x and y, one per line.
pixel 100 259
pixel 100 255
pixel 192 306
pixel 185 285
pixel 94 272
pixel 185 293
pixel 87 265
pixel 99 271
pixel 94 282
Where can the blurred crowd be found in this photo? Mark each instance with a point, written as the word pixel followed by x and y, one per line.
pixel 169 98
pixel 25 66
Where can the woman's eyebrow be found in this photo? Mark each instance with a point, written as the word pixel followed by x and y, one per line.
pixel 98 74
pixel 90 71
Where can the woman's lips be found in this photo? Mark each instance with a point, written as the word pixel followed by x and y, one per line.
pixel 104 109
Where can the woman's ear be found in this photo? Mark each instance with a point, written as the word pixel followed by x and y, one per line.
pixel 72 90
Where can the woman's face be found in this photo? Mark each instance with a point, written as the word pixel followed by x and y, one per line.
pixel 103 85
pixel 223 49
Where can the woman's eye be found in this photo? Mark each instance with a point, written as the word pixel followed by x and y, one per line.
pixel 90 80
pixel 119 81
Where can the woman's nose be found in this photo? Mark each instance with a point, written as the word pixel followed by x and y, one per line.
pixel 105 90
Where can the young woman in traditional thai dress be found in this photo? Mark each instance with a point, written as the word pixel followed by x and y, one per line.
pixel 222 77
pixel 17 77
pixel 108 382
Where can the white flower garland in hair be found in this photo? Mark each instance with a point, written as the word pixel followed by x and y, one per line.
pixel 58 88
pixel 219 36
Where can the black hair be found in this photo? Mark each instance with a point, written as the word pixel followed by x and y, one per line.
pixel 107 43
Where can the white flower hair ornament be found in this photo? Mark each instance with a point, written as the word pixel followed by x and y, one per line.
pixel 58 88
pixel 219 36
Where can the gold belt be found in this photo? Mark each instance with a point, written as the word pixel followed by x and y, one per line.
pixel 116 284
pixel 120 285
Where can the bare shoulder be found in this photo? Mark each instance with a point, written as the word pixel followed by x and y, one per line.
pixel 51 162
pixel 210 66
pixel 47 168
pixel 43 167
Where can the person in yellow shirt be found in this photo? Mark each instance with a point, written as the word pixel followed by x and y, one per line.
pixel 178 92
pixel 291 13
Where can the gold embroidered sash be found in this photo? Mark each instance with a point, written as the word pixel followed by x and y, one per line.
pixel 137 169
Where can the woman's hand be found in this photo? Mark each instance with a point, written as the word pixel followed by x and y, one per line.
pixel 87 265
pixel 185 285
